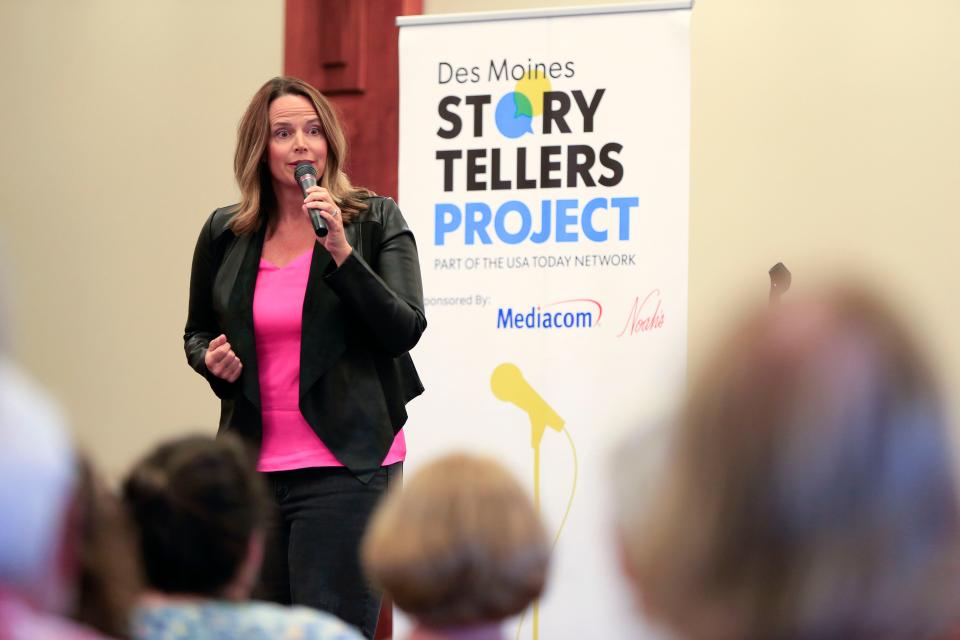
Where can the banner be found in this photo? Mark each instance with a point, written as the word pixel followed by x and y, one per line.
pixel 544 169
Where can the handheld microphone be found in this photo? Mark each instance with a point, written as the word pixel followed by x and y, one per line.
pixel 306 176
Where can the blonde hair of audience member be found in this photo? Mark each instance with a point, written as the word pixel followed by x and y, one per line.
pixel 810 491
pixel 460 546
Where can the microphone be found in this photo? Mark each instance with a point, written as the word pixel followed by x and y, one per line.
pixel 306 176
pixel 509 385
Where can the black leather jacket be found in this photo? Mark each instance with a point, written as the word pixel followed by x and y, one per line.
pixel 359 322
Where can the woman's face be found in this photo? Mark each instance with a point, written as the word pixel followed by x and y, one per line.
pixel 295 136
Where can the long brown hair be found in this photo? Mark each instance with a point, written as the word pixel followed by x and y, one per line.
pixel 258 202
pixel 110 572
pixel 810 492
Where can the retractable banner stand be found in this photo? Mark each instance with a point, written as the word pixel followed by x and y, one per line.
pixel 544 168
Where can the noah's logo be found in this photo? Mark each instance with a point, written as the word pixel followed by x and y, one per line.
pixel 645 315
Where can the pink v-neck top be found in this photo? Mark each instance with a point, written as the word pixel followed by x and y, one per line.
pixel 288 440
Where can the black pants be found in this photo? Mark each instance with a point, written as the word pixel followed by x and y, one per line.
pixel 313 544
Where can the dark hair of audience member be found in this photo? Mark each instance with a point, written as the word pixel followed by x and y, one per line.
pixel 196 503
pixel 109 580
pixel 459 545
pixel 810 491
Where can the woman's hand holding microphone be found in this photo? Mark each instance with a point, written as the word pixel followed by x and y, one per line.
pixel 335 242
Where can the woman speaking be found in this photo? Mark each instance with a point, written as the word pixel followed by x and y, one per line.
pixel 305 340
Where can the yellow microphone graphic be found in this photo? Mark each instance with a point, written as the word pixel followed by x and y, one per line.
pixel 509 385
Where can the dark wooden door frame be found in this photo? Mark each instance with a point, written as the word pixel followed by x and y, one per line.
pixel 348 50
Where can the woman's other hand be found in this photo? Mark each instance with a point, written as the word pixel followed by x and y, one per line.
pixel 221 361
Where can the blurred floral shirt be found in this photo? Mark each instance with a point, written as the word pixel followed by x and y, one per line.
pixel 219 620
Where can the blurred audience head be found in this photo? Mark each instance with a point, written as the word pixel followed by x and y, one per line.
pixel 809 491
pixel 459 545
pixel 199 507
pixel 38 515
pixel 109 581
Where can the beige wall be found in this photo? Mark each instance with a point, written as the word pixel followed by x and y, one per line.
pixel 825 135
pixel 130 110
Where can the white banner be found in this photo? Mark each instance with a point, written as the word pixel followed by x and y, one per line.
pixel 544 168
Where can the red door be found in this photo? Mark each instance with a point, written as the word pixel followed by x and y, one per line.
pixel 348 50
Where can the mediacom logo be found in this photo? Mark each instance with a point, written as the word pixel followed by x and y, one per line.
pixel 579 313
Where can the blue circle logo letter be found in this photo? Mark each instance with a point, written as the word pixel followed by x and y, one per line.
pixel 514 115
